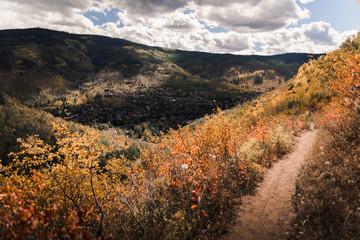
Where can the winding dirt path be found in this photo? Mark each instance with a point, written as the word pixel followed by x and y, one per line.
pixel 267 214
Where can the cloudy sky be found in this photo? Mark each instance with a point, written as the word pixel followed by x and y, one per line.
pixel 231 26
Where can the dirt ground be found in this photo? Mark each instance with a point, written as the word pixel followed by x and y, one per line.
pixel 267 214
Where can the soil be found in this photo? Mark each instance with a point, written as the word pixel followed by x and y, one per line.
pixel 268 213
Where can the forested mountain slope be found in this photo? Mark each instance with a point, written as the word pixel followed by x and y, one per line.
pixel 95 79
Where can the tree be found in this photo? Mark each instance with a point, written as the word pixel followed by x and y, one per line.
pixel 258 80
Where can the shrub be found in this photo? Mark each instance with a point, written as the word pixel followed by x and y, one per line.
pixel 326 199
pixel 327 193
pixel 183 185
pixel 282 141
pixel 252 150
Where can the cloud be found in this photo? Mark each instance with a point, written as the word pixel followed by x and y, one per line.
pixel 320 33
pixel 245 17
pixel 155 7
pixel 316 37
pixel 182 32
pixel 180 21
pixel 230 27
pixel 306 1
pixel 24 14
pixel 62 6
pixel 233 42
pixel 149 7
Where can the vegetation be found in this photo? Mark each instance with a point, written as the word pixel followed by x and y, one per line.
pixel 66 182
pixel 326 200
pixel 99 80
pixel 184 185
pixel 18 121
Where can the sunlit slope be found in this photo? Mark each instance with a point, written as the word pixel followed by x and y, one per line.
pixel 186 183
pixel 100 80
pixel 19 121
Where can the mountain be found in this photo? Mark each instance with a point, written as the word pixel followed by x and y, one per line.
pixel 73 182
pixel 101 80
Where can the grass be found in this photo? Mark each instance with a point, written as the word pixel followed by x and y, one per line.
pixel 328 190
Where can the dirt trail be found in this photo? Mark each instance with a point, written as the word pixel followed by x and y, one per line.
pixel 267 214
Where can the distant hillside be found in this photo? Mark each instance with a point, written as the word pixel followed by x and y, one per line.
pixel 96 79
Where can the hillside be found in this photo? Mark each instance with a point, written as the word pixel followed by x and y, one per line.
pixel 95 79
pixel 186 183
pixel 19 121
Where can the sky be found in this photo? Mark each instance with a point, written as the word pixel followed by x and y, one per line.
pixel 263 27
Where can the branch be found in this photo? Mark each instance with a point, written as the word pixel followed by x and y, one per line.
pixel 98 234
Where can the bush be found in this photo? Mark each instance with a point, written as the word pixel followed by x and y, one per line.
pixel 282 141
pixel 328 190
pixel 182 186
pixel 258 80
pixel 252 150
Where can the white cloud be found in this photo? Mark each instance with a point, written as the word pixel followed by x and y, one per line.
pixel 245 17
pixel 181 31
pixel 306 1
pixel 22 14
pixel 321 33
pixel 316 37
pixel 164 23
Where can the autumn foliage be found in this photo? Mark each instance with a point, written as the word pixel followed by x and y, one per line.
pixel 326 201
pixel 186 182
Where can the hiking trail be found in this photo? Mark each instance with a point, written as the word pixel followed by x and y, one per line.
pixel 267 214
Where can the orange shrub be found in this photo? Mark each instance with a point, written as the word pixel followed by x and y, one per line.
pixel 184 184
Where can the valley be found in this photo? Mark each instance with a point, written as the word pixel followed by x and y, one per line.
pixel 110 82
pixel 103 138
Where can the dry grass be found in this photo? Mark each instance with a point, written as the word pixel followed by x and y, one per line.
pixel 328 189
